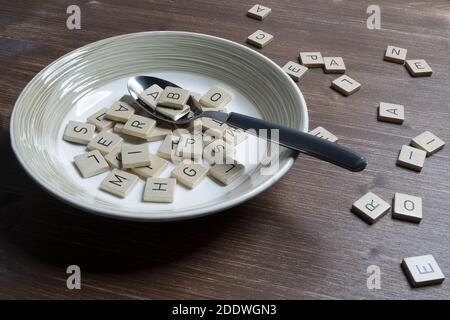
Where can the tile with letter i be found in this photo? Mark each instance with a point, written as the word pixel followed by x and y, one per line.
pixel 407 207
pixel 428 142
pixel 138 126
pixel 105 142
pixel 345 85
pixel 216 97
pixel 135 156
pixel 418 68
pixel 226 173
pixel 259 12
pixel 259 39
pixel 324 134
pixel 370 207
pixel 411 158
pixel 422 271
pixel 159 190
pixel 91 164
pixel 79 132
pixel 151 95
pixel 311 59
pixel 389 112
pixel 119 183
pixel 189 174
pixel 174 98
pixel 120 111
pixel 294 70
pixel 395 54
pixel 333 65
pixel 99 121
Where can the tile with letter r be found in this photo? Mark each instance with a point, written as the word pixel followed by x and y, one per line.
pixel 138 126
pixel 370 207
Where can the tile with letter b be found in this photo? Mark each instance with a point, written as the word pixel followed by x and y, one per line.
pixel 407 207
pixel 370 207
pixel 91 163
pixel 159 190
pixel 119 183
pixel 345 85
pixel 411 158
pixel 428 142
pixel 422 271
pixel 294 70
pixel 79 132
pixel 189 174
pixel 105 142
pixel 259 39
pixel 259 12
pixel 172 97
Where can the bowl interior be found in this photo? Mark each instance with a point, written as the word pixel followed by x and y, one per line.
pixel 81 82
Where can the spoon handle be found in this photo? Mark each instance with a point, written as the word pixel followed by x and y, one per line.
pixel 301 141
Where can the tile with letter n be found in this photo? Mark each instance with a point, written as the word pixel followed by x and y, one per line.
pixel 422 271
pixel 91 163
pixel 138 126
pixel 259 12
pixel 407 207
pixel 119 183
pixel 79 132
pixel 216 97
pixel 99 121
pixel 120 111
pixel 174 97
pixel 390 112
pixel 370 207
pixel 294 70
pixel 418 68
pixel 428 142
pixel 311 59
pixel 189 174
pixel 395 54
pixel 151 95
pixel 135 156
pixel 105 142
pixel 227 173
pixel 259 39
pixel 159 190
pixel 411 158
pixel 345 85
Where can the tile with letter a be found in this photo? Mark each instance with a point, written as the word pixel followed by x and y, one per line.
pixel 79 132
pixel 226 173
pixel 159 190
pixel 422 271
pixel 151 95
pixel 407 207
pixel 333 65
pixel 294 70
pixel 345 85
pixel 259 12
pixel 156 167
pixel 119 183
pixel 99 121
pixel 418 68
pixel 395 54
pixel 259 39
pixel 411 158
pixel 189 174
pixel 138 126
pixel 120 111
pixel 389 112
pixel 91 163
pixel 216 97
pixel 428 142
pixel 370 207
pixel 105 142
pixel 175 98
pixel 311 59
pixel 324 134
pixel 135 156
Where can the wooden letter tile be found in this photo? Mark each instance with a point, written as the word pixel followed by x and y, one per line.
pixel 259 12
pixel 259 39
pixel 189 174
pixel 151 95
pixel 135 156
pixel 105 142
pixel 175 98
pixel 311 59
pixel 395 54
pixel 215 98
pixel 169 147
pixel 418 68
pixel 119 183
pixel 79 132
pixel 411 158
pixel 91 164
pixel 158 133
pixel 345 85
pixel 99 121
pixel 190 147
pixel 138 126
pixel 214 127
pixel 114 158
pixel 234 136
pixel 218 152
pixel 422 271
pixel 294 70
pixel 370 207
pixel 428 142
pixel 156 167
pixel 389 112
pixel 174 114
pixel 407 207
pixel 226 173
pixel 324 134
pixel 120 111
pixel 159 190
pixel 333 65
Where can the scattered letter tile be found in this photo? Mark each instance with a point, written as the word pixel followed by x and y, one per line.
pixel 370 207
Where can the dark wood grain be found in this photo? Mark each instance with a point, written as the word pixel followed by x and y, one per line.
pixel 296 240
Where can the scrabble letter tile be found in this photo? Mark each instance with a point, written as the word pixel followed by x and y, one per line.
pixel 259 39
pixel 214 127
pixel 411 158
pixel 135 156
pixel 158 133
pixel 119 183
pixel 395 54
pixel 324 134
pixel 151 95
pixel 389 112
pixel 114 158
pixel 333 65
pixel 159 190
pixel 215 98
pixel 259 12
pixel 79 132
pixel 105 142
pixel 174 114
pixel 226 173
pixel 422 271
pixel 167 150
pixel 91 164
pixel 218 152
pixel 407 207
pixel 138 126
pixel 428 142
pixel 418 68
pixel 99 121
pixel 156 167
pixel 190 147
pixel 311 59
pixel 189 174
pixel 120 111
pixel 345 85
pixel 294 70
pixel 175 98
pixel 370 207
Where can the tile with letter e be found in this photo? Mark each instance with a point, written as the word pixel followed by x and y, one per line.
pixel 91 163
pixel 138 126
pixel 323 133
pixel 159 190
pixel 216 97
pixel 189 174
pixel 294 70
pixel 135 156
pixel 311 59
pixel 105 142
pixel 370 207
pixel 79 132
pixel 389 112
pixel 395 54
pixel 333 65
pixel 175 98
pixel 345 85
pixel 259 12
pixel 422 271
pixel 259 39
pixel 226 173
pixel 407 207
pixel 120 111
pixel 156 167
pixel 151 95
pixel 119 183
pixel 428 142
pixel 411 158
pixel 99 121
pixel 418 68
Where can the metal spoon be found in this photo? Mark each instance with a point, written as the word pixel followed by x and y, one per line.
pixel 288 137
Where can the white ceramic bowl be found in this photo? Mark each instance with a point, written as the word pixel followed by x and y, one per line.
pixel 94 76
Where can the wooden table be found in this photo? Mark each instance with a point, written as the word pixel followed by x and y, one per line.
pixel 296 240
